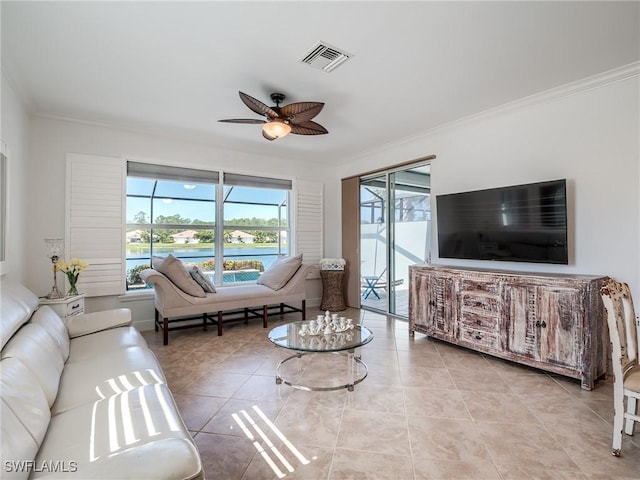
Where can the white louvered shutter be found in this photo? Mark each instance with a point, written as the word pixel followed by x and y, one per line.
pixel 309 208
pixel 95 223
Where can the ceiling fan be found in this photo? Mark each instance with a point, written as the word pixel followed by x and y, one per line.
pixel 280 121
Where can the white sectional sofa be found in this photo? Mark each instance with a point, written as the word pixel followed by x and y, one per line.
pixel 85 400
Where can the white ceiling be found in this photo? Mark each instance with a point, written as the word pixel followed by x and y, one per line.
pixel 176 67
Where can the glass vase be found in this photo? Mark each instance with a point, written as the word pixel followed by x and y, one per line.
pixel 73 285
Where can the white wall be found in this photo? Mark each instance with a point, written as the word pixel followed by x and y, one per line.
pixel 52 139
pixel 14 132
pixel 590 137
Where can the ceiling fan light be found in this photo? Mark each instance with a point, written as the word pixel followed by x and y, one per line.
pixel 276 128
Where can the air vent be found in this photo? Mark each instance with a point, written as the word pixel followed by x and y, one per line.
pixel 325 57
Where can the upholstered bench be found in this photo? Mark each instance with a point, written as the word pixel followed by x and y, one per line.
pixel 281 287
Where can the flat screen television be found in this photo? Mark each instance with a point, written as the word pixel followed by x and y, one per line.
pixel 520 223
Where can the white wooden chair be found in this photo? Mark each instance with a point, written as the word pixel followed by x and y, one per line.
pixel 626 364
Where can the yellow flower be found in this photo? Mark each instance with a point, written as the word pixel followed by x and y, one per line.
pixel 73 267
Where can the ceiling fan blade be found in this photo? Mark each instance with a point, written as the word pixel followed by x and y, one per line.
pixel 268 137
pixel 301 112
pixel 257 106
pixel 308 128
pixel 243 120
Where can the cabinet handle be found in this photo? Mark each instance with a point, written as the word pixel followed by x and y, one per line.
pixel 77 305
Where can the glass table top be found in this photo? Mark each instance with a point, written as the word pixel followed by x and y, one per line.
pixel 288 336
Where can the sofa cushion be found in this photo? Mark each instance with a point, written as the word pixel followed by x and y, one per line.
pixel 277 276
pixel 38 351
pixel 104 342
pixel 175 271
pixel 106 375
pixel 54 326
pixel 135 434
pixel 203 280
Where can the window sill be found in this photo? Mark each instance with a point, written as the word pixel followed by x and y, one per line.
pixel 135 296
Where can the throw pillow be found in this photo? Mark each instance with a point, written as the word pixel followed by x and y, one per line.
pixel 203 280
pixel 156 262
pixel 277 276
pixel 174 270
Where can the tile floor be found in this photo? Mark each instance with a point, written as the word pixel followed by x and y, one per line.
pixel 427 410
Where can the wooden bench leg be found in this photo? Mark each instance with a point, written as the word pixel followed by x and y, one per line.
pixel 155 320
pixel 304 309
pixel 282 309
pixel 265 314
pixel 204 322
pixel 246 316
pixel 165 331
pixel 219 323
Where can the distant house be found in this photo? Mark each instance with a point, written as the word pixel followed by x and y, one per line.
pixel 188 236
pixel 238 236
pixel 135 236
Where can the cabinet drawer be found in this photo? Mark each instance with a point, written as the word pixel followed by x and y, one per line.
pixel 479 302
pixel 479 321
pixel 479 338
pixel 75 307
pixel 480 286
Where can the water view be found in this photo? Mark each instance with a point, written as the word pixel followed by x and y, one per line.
pixel 139 254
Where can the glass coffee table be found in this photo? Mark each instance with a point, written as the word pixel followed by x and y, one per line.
pixel 288 336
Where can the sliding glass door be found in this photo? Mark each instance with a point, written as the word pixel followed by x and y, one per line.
pixel 395 232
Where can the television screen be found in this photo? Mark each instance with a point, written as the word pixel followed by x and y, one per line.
pixel 521 223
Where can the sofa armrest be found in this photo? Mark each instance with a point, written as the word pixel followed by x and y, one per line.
pixel 297 283
pixel 166 294
pixel 87 323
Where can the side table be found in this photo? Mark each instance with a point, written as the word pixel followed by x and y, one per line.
pixel 67 306
pixel 332 290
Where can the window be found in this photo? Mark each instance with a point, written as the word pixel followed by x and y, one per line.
pixel 175 211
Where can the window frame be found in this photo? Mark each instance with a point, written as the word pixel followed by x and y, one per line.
pixel 218 225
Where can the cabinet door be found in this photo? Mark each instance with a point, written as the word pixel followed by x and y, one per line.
pixel 433 304
pixel 418 301
pixel 560 312
pixel 520 320
pixel 441 307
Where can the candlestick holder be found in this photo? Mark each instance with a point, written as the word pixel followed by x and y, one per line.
pixel 54 249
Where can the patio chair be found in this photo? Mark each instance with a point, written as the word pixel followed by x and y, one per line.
pixel 370 284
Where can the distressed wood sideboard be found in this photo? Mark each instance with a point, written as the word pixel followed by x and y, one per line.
pixel 552 322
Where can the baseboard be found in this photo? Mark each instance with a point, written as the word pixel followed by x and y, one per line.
pixel 143 325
